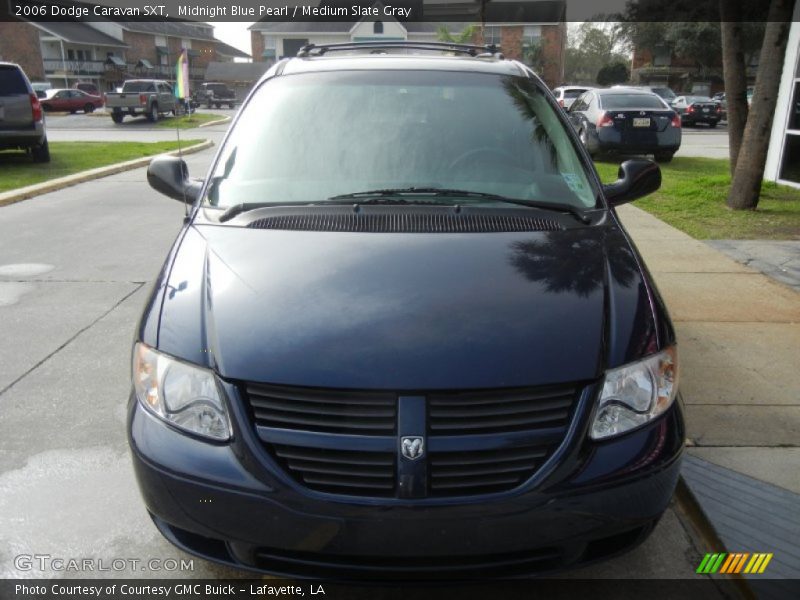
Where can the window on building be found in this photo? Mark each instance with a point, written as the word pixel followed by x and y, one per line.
pixel 70 54
pixel 492 35
pixel 531 36
pixel 662 56
pixel 377 27
pixel 270 42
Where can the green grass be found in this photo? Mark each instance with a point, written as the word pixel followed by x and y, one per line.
pixel 188 121
pixel 692 198
pixel 18 170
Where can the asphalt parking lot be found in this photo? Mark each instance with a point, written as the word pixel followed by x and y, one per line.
pixel 75 269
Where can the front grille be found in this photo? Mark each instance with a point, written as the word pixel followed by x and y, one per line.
pixel 340 472
pixel 348 442
pixel 482 472
pixel 323 410
pixel 500 411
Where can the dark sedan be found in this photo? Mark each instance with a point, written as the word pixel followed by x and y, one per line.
pixel 626 121
pixel 71 101
pixel 698 109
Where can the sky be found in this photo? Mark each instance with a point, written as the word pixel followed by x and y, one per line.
pixel 235 34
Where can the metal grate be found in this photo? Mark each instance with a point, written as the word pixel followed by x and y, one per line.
pixel 406 222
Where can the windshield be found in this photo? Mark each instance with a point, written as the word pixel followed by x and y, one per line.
pixel 310 137
pixel 138 86
pixel 623 101
pixel 665 92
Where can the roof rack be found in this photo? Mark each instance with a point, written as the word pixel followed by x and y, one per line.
pixel 488 51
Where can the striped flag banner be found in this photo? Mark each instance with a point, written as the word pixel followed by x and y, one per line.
pixel 182 75
pixel 735 562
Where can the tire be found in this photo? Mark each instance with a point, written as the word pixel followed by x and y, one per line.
pixel 663 157
pixel 89 108
pixel 117 117
pixel 217 105
pixel 46 107
pixel 584 136
pixel 152 116
pixel 208 104
pixel 41 153
pixel 231 105
pixel 72 112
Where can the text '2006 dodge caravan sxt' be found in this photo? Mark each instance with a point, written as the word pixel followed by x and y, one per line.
pixel 403 332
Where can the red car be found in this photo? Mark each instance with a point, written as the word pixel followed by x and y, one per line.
pixel 71 101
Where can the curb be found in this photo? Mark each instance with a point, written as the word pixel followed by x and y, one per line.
pixel 217 122
pixel 706 534
pixel 13 196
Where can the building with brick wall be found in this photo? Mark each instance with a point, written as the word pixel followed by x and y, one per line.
pixel 540 43
pixel 107 53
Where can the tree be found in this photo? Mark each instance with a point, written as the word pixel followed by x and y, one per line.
pixel 734 74
pixel 591 47
pixel 746 185
pixel 465 37
pixel 614 73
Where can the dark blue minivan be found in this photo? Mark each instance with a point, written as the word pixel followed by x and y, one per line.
pixel 403 332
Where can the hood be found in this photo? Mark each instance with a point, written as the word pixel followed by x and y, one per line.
pixel 398 311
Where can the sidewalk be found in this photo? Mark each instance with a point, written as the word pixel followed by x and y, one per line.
pixel 739 349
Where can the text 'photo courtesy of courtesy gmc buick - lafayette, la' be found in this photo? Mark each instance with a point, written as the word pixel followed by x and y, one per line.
pixel 403 333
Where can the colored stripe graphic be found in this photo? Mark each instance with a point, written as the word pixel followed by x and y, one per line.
pixel 721 562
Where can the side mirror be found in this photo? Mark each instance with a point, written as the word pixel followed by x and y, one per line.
pixel 636 178
pixel 170 176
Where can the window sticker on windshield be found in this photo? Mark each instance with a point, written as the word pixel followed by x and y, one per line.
pixel 573 182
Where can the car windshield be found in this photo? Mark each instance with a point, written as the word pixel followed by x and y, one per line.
pixel 665 92
pixel 309 137
pixel 574 93
pixel 138 86
pixel 625 101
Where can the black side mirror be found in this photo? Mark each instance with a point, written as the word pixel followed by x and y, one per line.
pixel 636 178
pixel 170 176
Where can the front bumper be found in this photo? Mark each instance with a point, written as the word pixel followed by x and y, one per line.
pixel 224 503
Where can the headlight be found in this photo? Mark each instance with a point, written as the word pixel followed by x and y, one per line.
pixel 179 393
pixel 635 394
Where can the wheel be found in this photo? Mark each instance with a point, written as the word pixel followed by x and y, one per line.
pixel 231 105
pixel 41 153
pixel 72 112
pixel 663 157
pixel 152 116
pixel 584 137
pixel 89 108
pixel 217 105
pixel 46 107
pixel 208 104
pixel 117 117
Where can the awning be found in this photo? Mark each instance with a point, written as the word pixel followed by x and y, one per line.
pixel 115 60
pixel 143 62
pixel 162 49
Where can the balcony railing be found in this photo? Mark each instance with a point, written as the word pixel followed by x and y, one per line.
pixel 98 68
pixel 74 67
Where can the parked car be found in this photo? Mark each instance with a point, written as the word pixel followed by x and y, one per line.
pixel 566 94
pixel 721 98
pixel 626 121
pixel 87 87
pixel 404 313
pixel 215 94
pixel 59 100
pixel 661 91
pixel 141 97
pixel 22 124
pixel 697 109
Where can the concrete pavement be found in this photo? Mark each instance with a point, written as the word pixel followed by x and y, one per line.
pixel 738 340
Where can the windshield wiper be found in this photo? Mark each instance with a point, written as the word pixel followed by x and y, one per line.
pixel 384 196
pixel 433 191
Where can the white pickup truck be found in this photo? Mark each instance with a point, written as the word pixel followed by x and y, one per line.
pixel 148 97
